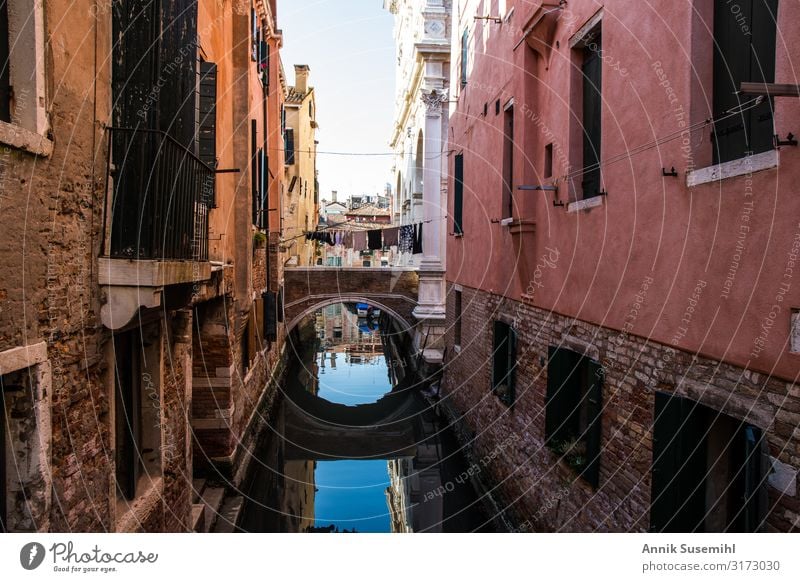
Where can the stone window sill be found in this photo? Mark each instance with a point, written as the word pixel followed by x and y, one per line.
pixel 741 167
pixel 585 204
pixel 25 140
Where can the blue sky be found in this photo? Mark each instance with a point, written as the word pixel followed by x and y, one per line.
pixel 350 49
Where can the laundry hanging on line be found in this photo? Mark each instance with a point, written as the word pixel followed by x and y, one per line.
pixel 408 238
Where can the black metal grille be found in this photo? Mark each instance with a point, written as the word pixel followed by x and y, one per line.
pixel 162 195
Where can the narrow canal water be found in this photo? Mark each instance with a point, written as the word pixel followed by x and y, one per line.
pixel 353 446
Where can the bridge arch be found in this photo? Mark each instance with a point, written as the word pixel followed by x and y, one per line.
pixel 321 303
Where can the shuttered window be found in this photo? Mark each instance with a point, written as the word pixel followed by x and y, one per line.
pixel 263 171
pixel 592 110
pixel 458 195
pixel 464 56
pixel 457 323
pixel 263 62
pixel 207 125
pixel 744 50
pixel 270 316
pixel 289 146
pixel 254 182
pixel 707 471
pixel 504 362
pixel 127 411
pixel 5 89
pixel 507 210
pixel 573 411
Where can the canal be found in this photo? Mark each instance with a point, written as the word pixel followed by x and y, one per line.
pixel 353 445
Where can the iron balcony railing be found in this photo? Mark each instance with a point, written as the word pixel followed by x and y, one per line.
pixel 161 197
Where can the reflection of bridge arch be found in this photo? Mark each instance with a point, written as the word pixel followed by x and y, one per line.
pixel 308 289
pixel 334 300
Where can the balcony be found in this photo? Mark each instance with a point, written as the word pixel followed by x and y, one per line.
pixel 157 221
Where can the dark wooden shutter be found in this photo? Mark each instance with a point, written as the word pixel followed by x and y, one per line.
pixel 594 412
pixel 741 57
pixel 761 129
pixel 458 195
pixel 511 366
pixel 270 316
pixel 464 56
pixel 127 411
pixel 207 137
pixel 262 189
pixel 679 465
pixel 263 62
pixel 562 410
pixel 592 110
pixel 499 354
pixel 5 89
pixel 289 147
pixel 254 170
pixel 754 505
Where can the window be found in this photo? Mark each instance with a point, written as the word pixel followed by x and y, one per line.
pixel 5 89
pixel 137 387
pixel 262 187
pixel 744 50
pixel 23 94
pixel 263 62
pixel 457 323
pixel 464 56
pixel 708 473
pixel 508 162
pixel 289 146
pixel 254 34
pixel 548 161
pixel 255 193
pixel 458 195
pixel 504 362
pixel 207 126
pixel 591 75
pixel 573 408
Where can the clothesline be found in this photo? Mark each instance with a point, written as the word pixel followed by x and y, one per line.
pixel 408 238
pixel 338 226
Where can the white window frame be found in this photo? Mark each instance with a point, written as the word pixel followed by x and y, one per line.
pixel 29 125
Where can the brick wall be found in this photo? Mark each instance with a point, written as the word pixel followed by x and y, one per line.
pixel 532 484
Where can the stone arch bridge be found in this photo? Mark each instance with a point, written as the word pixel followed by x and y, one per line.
pixel 393 290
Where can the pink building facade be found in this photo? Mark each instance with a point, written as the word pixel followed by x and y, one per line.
pixel 622 273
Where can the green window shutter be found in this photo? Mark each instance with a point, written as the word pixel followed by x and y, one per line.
pixel 761 129
pixel 563 394
pixel 499 354
pixel 511 380
pixel 289 146
pixel 742 57
pixel 594 410
pixel 262 172
pixel 458 195
pixel 755 502
pixel 464 56
pixel 592 110
pixel 679 465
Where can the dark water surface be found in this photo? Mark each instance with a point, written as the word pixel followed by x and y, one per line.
pixel 310 473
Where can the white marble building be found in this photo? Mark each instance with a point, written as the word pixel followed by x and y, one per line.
pixel 419 139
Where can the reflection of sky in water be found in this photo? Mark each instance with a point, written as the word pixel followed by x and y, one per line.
pixel 352 383
pixel 352 494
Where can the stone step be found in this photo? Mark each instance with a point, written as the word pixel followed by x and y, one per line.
pixel 198 517
pixel 197 489
pixel 212 498
pixel 229 514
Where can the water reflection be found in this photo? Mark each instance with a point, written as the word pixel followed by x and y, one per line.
pixel 351 364
pixel 348 451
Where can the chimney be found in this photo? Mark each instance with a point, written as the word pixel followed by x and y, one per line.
pixel 333 196
pixel 301 78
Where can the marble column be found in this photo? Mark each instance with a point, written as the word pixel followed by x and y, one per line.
pixel 431 307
